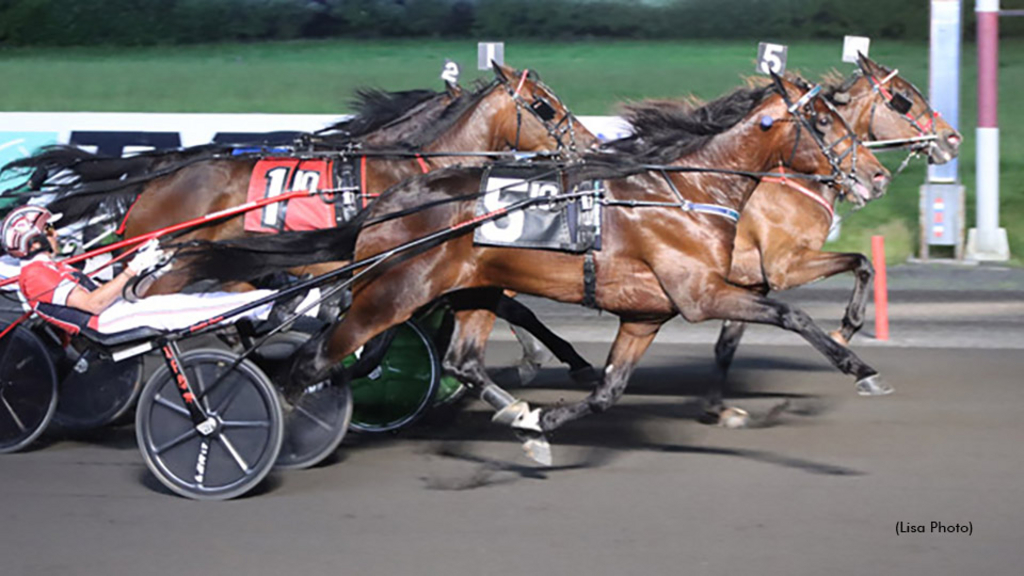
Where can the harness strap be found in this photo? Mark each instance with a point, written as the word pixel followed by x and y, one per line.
pixel 423 164
pixel 781 179
pixel 589 281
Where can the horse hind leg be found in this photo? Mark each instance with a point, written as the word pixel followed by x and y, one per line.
pixel 517 314
pixel 464 360
pixel 715 410
pixel 853 320
pixel 631 342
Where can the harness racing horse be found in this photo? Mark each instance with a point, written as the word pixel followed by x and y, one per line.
pixel 400 135
pixel 671 207
pixel 786 221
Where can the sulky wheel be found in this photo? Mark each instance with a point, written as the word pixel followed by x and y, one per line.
pixel 241 448
pixel 28 388
pixel 98 391
pixel 316 423
pixel 402 387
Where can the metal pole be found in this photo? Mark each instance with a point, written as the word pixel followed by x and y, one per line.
pixel 944 77
pixel 989 240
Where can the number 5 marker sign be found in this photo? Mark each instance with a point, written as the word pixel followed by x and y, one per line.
pixel 771 58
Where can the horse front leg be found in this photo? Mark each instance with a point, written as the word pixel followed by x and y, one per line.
pixel 464 359
pixel 719 299
pixel 807 266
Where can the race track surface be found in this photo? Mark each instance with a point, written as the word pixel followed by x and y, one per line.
pixel 643 489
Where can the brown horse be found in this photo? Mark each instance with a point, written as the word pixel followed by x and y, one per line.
pixel 660 256
pixel 784 225
pixel 403 134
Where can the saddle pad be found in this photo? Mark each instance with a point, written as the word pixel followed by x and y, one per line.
pixel 564 225
pixel 275 176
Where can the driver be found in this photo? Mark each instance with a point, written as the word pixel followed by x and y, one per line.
pixel 66 297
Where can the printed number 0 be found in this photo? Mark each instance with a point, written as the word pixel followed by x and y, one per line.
pixel 773 59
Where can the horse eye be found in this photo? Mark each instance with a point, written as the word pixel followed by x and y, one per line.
pixel 824 121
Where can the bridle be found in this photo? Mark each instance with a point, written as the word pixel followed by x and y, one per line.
pixel 841 179
pixel 924 122
pixel 545 113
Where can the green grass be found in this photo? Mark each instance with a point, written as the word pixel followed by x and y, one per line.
pixel 319 77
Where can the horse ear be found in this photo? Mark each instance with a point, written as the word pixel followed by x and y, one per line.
pixel 499 72
pixel 779 85
pixel 866 64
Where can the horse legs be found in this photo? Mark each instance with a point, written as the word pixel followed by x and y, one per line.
pixel 630 344
pixel 518 314
pixel 725 349
pixel 810 265
pixel 715 298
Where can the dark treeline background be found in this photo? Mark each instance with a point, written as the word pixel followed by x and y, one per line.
pixel 138 22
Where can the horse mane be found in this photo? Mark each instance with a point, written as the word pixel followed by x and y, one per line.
pixel 410 119
pixel 375 108
pixel 665 130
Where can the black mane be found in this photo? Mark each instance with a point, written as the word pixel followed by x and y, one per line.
pixel 376 108
pixel 411 119
pixel 665 131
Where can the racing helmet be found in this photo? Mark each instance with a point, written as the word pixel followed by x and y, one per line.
pixel 24 230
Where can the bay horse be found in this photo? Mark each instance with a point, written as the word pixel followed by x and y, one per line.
pixel 401 135
pixel 786 222
pixel 660 254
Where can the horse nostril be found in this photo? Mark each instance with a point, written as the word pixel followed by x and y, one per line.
pixel 954 141
pixel 881 180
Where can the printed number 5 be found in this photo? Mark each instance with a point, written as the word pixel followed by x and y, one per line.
pixel 512 224
pixel 773 58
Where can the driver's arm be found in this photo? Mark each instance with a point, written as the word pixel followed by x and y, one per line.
pixel 101 298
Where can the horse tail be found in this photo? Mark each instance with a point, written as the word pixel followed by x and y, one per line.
pixel 78 165
pixel 246 259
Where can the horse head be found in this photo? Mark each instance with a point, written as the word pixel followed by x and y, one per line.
pixel 882 105
pixel 817 139
pixel 533 117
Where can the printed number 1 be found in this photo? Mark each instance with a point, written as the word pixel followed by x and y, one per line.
pixel 277 179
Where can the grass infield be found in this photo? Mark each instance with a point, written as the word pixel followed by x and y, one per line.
pixel 591 77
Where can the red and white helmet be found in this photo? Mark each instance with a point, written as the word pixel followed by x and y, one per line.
pixel 23 228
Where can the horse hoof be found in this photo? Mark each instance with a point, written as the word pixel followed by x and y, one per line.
pixel 837 336
pixel 584 375
pixel 734 418
pixel 511 413
pixel 873 386
pixel 538 449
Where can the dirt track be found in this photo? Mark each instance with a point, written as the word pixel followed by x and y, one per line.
pixel 643 489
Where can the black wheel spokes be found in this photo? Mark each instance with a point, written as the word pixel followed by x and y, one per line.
pixel 201 390
pixel 242 464
pixel 316 420
pixel 234 388
pixel 14 415
pixel 187 435
pixel 163 401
